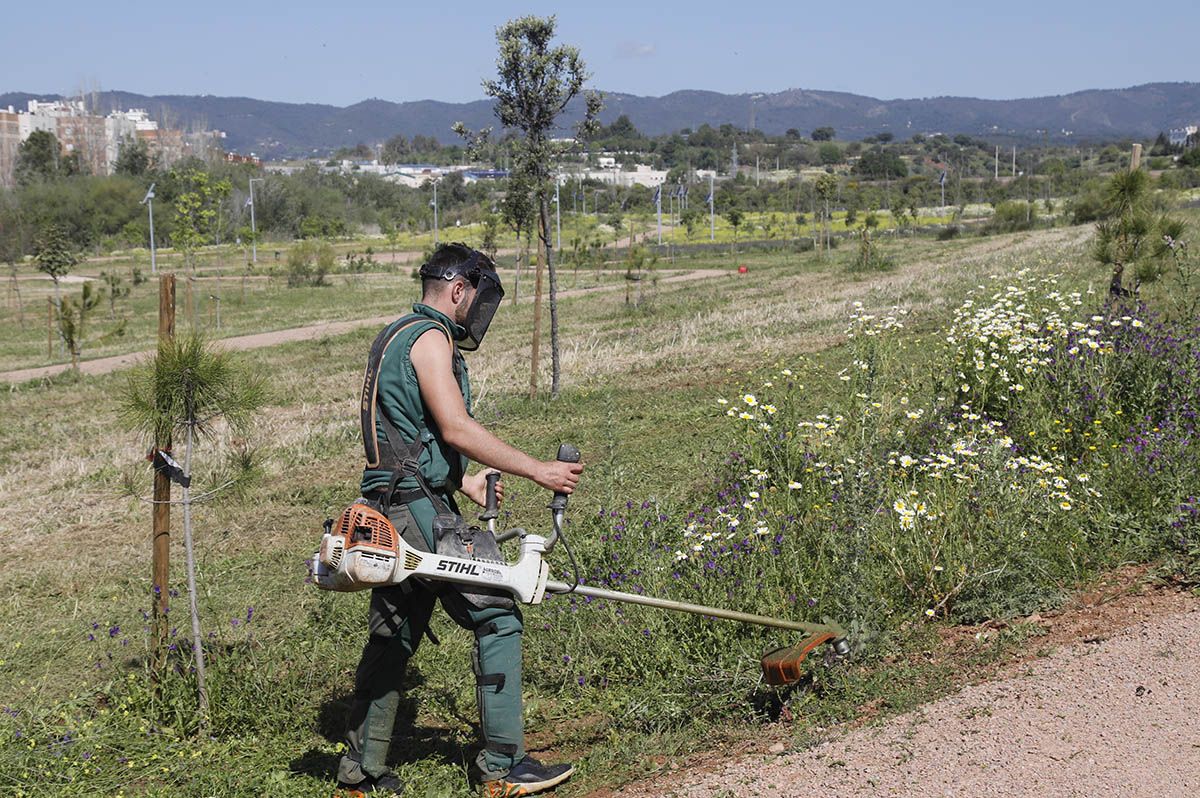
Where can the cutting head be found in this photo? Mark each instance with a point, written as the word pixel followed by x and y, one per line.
pixel 783 666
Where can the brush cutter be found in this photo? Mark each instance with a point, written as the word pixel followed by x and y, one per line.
pixel 362 550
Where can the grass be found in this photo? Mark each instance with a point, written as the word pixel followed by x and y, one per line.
pixel 640 390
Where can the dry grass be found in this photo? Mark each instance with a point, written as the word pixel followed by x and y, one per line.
pixel 64 456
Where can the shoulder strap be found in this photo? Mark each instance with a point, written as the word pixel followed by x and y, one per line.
pixel 369 398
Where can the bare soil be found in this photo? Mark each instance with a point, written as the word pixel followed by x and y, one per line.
pixel 1102 701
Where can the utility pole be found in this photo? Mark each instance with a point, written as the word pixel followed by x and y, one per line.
pixel 253 227
pixel 658 208
pixel 435 214
pixel 712 211
pixel 148 201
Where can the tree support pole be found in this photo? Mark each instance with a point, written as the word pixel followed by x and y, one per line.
pixel 161 521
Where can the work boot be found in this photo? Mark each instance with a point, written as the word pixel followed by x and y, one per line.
pixel 386 784
pixel 527 777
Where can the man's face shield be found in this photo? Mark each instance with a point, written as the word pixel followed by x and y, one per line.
pixel 488 293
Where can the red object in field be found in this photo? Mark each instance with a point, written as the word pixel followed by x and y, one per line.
pixel 743 269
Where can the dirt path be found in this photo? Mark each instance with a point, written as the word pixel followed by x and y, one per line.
pixel 308 332
pixel 1111 716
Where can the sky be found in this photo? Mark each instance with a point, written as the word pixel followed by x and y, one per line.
pixel 341 53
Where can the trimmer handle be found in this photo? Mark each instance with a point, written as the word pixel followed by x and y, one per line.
pixel 492 508
pixel 566 454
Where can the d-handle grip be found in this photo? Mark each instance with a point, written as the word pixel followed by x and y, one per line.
pixel 492 508
pixel 566 454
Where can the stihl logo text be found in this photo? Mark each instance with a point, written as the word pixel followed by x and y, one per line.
pixel 458 567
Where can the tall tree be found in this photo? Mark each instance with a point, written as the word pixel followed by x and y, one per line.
pixel 195 218
pixel 39 157
pixel 534 83
pixel 133 158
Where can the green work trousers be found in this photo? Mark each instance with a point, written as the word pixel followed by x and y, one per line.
pixel 399 618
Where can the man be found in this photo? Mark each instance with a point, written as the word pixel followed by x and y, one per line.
pixel 418 436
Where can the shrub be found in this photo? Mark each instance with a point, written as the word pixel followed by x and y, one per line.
pixel 1012 216
pixel 308 263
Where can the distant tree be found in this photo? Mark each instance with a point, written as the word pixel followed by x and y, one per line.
pixel 879 164
pixel 133 158
pixel 823 134
pixel 491 232
pixel 1162 145
pixel 826 187
pixel 55 258
pixel 39 157
pixel 884 137
pixel 830 153
pixel 735 218
pixel 116 290
pixel 72 320
pixel 534 84
pixel 196 210
pixel 396 150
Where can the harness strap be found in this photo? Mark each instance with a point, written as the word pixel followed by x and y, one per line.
pixel 401 457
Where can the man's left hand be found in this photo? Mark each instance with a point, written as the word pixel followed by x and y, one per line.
pixel 474 487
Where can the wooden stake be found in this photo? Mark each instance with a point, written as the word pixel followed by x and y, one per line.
pixel 161 523
pixel 49 327
pixel 1135 158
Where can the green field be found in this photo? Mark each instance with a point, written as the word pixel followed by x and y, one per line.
pixel 618 689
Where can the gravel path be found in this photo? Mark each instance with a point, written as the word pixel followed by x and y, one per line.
pixel 1115 718
pixel 309 332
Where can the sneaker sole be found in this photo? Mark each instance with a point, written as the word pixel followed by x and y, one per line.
pixel 507 789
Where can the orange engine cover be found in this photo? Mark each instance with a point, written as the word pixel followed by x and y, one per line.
pixel 362 526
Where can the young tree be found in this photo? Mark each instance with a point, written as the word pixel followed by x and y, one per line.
pixel 826 188
pixel 534 83
pixel 195 218
pixel 1131 235
pixel 116 290
pixel 54 257
pixel 186 388
pixel 735 218
pixel 72 319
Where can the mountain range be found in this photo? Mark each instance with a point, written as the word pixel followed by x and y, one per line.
pixel 282 130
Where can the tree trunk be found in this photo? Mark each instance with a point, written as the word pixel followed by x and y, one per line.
pixel 544 235
pixel 62 341
pixel 197 643
pixel 537 324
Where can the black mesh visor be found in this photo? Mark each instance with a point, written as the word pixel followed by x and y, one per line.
pixel 488 293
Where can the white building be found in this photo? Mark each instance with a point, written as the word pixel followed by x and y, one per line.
pixel 1180 136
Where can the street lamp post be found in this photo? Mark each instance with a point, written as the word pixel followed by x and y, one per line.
pixel 253 228
pixel 148 201
pixel 435 213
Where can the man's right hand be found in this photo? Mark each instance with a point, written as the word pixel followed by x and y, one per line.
pixel 558 476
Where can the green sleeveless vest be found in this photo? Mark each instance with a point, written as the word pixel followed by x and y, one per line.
pixel 400 398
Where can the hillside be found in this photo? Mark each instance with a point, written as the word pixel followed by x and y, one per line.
pixel 276 129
